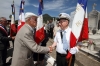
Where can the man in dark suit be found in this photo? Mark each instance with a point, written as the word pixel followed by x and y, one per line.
pixel 4 39
pixel 24 44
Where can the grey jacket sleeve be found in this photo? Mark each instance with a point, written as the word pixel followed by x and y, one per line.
pixel 32 45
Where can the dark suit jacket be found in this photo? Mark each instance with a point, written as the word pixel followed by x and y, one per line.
pixel 4 39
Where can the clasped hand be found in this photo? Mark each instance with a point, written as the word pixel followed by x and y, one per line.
pixel 50 49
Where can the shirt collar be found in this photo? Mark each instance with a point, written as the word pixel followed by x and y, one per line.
pixel 32 29
pixel 66 30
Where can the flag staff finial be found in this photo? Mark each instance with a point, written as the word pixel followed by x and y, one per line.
pixel 13 1
pixel 13 9
pixel 94 6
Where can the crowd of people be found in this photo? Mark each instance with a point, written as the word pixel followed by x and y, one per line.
pixel 26 49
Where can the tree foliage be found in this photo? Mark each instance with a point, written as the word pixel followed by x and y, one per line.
pixel 46 18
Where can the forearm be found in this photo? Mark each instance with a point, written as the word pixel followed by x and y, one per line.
pixel 75 49
pixel 54 44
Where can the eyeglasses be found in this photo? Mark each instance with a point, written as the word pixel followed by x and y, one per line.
pixel 61 21
pixel 35 19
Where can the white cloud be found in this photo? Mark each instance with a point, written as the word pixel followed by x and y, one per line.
pixel 6 9
pixel 69 9
pixel 35 5
pixel 93 0
pixel 52 5
pixel 55 4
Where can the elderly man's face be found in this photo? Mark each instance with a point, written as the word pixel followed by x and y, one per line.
pixel 63 23
pixel 4 22
pixel 33 21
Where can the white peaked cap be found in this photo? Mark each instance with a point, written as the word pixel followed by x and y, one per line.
pixel 29 14
pixel 64 15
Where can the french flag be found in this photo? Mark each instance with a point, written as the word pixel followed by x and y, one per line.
pixel 13 29
pixel 21 21
pixel 79 25
pixel 84 32
pixel 40 35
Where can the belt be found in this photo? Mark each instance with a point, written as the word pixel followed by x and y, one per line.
pixel 61 54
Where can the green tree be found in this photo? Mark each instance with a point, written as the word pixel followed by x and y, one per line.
pixel 46 17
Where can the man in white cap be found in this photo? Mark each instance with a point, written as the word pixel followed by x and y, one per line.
pixel 62 41
pixel 24 44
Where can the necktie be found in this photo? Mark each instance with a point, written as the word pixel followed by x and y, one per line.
pixel 64 41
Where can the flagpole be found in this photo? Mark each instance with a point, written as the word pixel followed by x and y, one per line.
pixel 21 20
pixel 14 11
pixel 39 13
pixel 12 25
pixel 77 24
pixel 70 60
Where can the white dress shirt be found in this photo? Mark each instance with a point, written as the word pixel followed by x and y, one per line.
pixel 58 40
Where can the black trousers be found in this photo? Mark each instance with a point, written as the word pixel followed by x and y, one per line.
pixel 62 61
pixel 4 56
pixel 1 63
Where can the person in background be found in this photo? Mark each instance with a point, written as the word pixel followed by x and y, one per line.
pixel 51 26
pixel 39 57
pixel 47 28
pixel 56 28
pixel 4 39
pixel 24 44
pixel 62 41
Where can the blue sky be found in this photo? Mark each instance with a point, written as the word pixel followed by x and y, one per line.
pixel 51 7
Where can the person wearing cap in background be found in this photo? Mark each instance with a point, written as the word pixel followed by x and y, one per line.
pixel 4 40
pixel 24 44
pixel 62 41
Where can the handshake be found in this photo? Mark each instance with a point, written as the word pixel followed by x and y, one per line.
pixel 51 49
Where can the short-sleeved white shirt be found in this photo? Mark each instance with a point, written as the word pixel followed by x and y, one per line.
pixel 58 40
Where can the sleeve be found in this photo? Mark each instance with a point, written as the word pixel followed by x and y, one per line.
pixel 3 38
pixel 32 45
pixel 55 38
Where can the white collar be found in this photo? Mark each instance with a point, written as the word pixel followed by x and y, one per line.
pixel 31 28
pixel 66 30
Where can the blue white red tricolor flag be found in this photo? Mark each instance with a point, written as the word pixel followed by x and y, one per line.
pixel 39 35
pixel 21 21
pixel 13 29
pixel 79 25
pixel 84 31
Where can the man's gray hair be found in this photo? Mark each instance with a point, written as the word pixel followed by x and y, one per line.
pixel 2 18
pixel 27 18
